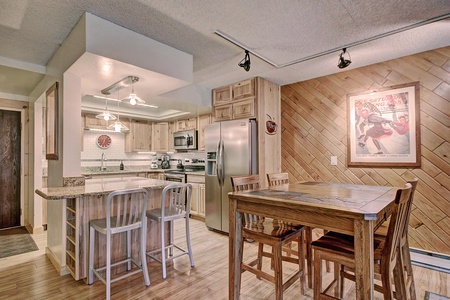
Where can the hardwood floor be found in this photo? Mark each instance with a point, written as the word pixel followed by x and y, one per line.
pixel 32 276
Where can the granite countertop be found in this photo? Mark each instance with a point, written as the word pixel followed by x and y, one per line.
pixel 117 171
pixel 100 186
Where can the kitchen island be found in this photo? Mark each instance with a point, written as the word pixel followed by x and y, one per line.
pixel 69 211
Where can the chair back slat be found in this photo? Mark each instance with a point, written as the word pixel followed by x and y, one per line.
pixel 176 198
pixel 397 224
pixel 246 183
pixel 126 207
pixel 275 179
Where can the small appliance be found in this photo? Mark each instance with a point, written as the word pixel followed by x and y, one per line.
pixel 165 164
pixel 154 162
pixel 185 140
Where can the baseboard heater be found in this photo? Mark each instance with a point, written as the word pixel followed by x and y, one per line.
pixel 431 260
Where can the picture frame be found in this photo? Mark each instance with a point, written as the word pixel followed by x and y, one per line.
pixel 51 98
pixel 384 127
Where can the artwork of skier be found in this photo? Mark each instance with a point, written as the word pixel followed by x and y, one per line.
pixel 384 127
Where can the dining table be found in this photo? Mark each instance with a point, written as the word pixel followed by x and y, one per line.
pixel 346 208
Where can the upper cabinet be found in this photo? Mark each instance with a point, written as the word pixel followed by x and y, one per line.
pixel 236 101
pixel 160 137
pixel 91 122
pixel 140 137
pixel 186 124
pixel 203 120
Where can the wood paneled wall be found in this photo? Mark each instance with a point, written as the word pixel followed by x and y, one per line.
pixel 314 128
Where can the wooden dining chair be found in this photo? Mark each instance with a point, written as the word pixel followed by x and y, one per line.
pixel 405 278
pixel 277 179
pixel 274 233
pixel 339 248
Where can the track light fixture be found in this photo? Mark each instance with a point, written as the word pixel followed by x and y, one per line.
pixel 245 62
pixel 342 62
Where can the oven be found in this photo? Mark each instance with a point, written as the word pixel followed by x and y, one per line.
pixel 175 176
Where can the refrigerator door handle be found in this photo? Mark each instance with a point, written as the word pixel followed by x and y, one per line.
pixel 218 164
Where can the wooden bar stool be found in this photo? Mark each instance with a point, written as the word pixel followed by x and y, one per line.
pixel 339 248
pixel 274 233
pixel 175 204
pixel 276 179
pixel 125 212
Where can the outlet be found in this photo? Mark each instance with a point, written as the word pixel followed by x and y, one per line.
pixel 334 160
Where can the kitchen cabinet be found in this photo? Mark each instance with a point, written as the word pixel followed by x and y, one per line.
pixel 75 262
pixel 155 175
pixel 160 137
pixel 198 195
pixel 186 124
pixel 203 121
pixel 171 130
pixel 91 122
pixel 139 137
pixel 244 89
pixel 222 95
pixel 240 105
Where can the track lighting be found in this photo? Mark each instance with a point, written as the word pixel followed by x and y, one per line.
pixel 342 62
pixel 245 62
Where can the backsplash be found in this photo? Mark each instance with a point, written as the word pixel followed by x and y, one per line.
pixel 91 154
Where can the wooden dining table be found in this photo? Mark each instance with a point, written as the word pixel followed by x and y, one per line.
pixel 347 208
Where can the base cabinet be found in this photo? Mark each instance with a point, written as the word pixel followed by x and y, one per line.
pixel 198 195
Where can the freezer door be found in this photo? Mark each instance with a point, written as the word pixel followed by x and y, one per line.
pixel 237 160
pixel 213 210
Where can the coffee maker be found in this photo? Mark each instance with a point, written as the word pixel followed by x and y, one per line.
pixel 165 162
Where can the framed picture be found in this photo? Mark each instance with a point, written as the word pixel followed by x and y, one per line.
pixel 52 122
pixel 384 127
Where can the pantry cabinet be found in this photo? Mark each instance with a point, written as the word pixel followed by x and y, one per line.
pixel 203 121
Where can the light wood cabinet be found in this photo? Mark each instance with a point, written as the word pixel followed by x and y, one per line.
pixel 198 195
pixel 223 112
pixel 244 109
pixel 91 122
pixel 186 124
pixel 244 89
pixel 222 95
pixel 203 121
pixel 160 137
pixel 171 129
pixel 139 137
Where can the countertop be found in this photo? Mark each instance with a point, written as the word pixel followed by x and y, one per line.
pixel 100 186
pixel 130 171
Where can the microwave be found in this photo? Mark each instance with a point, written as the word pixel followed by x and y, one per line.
pixel 185 140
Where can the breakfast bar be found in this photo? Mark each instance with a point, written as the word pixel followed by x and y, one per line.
pixel 71 208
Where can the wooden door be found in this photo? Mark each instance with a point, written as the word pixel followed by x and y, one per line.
pixel 10 168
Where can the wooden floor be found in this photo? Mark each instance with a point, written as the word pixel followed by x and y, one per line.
pixel 32 276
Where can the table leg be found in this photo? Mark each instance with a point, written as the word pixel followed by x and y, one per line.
pixel 235 257
pixel 364 268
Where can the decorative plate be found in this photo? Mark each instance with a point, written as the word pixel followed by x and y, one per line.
pixel 104 141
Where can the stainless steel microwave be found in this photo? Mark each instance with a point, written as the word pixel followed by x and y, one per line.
pixel 185 140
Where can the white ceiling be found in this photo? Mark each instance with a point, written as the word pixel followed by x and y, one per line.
pixel 310 33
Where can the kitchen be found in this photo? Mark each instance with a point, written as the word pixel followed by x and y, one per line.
pixel 318 170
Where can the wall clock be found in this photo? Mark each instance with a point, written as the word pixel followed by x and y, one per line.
pixel 104 141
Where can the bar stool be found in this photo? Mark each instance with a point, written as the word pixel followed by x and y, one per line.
pixel 276 234
pixel 175 204
pixel 125 211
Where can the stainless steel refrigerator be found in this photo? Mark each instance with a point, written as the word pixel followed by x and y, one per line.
pixel 231 150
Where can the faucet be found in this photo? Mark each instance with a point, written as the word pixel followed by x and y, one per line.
pixel 103 166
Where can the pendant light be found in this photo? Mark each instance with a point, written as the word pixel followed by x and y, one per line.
pixel 117 125
pixel 133 98
pixel 106 115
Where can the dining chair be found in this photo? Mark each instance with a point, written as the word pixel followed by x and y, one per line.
pixel 175 204
pixel 277 179
pixel 405 278
pixel 339 248
pixel 125 212
pixel 274 233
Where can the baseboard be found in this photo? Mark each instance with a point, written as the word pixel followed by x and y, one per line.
pixel 62 270
pixel 431 260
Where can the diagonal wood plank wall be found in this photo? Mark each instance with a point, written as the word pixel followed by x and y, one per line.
pixel 314 127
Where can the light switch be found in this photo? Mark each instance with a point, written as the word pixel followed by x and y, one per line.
pixel 334 160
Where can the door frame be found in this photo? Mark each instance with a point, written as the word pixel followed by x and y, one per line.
pixel 22 157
